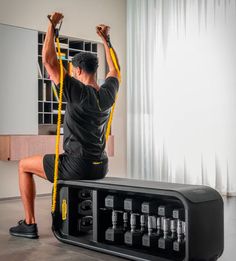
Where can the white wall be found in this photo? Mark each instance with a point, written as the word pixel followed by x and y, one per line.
pixel 80 19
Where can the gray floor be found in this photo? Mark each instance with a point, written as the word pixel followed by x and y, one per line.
pixel 47 247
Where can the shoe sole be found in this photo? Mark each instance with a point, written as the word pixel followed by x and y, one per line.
pixel 25 235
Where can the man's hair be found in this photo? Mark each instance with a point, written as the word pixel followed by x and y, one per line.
pixel 87 62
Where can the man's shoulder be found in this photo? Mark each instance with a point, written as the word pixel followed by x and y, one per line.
pixel 74 81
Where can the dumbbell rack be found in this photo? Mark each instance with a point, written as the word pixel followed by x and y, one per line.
pixel 90 213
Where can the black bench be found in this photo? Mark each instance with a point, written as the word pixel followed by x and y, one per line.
pixel 141 220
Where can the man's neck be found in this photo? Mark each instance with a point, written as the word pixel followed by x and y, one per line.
pixel 89 80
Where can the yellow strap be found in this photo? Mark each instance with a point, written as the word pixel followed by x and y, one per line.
pixel 58 131
pixel 113 107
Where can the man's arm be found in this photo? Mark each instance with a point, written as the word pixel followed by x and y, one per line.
pixel 49 51
pixel 102 31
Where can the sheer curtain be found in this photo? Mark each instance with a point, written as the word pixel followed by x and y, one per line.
pixel 181 94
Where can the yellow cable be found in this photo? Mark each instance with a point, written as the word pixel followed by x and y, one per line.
pixel 58 131
pixel 113 56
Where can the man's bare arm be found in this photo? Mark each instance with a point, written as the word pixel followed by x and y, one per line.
pixel 102 32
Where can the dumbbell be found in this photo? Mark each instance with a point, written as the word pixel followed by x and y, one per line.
pixel 113 202
pixel 133 237
pixel 115 234
pixel 166 242
pixel 160 226
pixel 165 211
pixel 179 244
pixel 143 223
pixel 179 216
pixel 173 229
pixel 125 221
pixel 132 205
pixel 151 239
pixel 85 224
pixel 85 194
pixel 149 207
pixel 85 207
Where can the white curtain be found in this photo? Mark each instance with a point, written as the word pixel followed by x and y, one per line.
pixel 181 91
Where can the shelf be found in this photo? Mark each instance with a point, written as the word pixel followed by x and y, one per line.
pixel 29 145
pixel 45 79
pixel 47 103
pixel 51 113
pixel 52 101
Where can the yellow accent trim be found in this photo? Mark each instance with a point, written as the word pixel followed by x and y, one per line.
pixel 55 92
pixel 97 162
pixel 64 209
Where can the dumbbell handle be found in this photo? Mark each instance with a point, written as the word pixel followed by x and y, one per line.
pixel 115 217
pixel 180 231
pixel 133 221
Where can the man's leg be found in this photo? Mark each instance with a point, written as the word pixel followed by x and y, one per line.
pixel 28 167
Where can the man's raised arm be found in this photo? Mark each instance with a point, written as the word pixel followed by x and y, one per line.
pixel 102 31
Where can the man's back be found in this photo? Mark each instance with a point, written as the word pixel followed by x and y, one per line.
pixel 86 117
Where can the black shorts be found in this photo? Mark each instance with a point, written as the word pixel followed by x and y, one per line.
pixel 74 168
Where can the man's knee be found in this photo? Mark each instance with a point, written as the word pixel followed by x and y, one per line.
pixel 21 166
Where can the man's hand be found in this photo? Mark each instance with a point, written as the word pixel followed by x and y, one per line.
pixel 56 18
pixel 103 31
pixel 49 51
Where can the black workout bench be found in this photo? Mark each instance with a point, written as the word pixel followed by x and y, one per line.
pixel 141 220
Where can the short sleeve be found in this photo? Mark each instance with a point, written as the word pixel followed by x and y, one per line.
pixel 72 89
pixel 112 86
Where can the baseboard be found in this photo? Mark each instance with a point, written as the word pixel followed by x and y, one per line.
pixel 15 198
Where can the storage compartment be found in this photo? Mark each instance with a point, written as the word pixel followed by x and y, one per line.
pixel 153 225
pixel 87 46
pixel 47 102
pixel 94 47
pixel 76 44
pixel 76 210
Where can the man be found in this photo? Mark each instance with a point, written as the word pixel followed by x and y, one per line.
pixel 86 117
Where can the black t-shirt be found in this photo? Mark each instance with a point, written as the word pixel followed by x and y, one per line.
pixel 86 117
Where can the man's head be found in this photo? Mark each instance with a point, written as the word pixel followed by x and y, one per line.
pixel 84 64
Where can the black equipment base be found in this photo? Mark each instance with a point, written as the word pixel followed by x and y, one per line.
pixel 198 209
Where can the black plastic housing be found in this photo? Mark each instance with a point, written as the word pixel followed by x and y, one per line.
pixel 203 217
